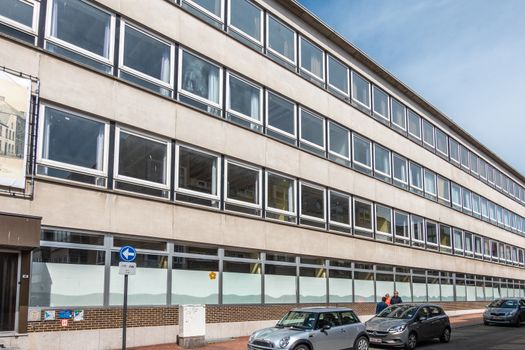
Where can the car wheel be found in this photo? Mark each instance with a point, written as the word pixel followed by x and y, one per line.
pixel 486 323
pixel 361 343
pixel 445 336
pixel 517 322
pixel 301 347
pixel 412 341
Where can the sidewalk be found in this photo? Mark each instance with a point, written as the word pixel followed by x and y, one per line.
pixel 240 343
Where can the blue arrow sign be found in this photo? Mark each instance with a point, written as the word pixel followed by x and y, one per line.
pixel 127 253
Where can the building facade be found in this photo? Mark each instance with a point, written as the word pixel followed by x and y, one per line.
pixel 255 159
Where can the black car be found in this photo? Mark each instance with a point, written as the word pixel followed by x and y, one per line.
pixel 505 311
pixel 404 325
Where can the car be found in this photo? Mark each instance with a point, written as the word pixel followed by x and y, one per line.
pixel 313 328
pixel 505 311
pixel 404 325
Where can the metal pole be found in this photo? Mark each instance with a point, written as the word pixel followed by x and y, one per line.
pixel 125 312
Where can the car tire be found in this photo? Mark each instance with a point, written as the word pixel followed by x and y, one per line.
pixel 445 336
pixel 486 323
pixel 412 341
pixel 361 343
pixel 301 347
pixel 517 322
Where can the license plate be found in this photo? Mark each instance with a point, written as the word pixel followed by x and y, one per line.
pixel 498 317
pixel 375 340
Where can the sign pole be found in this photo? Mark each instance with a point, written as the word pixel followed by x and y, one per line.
pixel 125 312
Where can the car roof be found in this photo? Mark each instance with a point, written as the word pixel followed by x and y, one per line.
pixel 419 304
pixel 319 309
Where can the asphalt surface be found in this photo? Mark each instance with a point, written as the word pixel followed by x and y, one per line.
pixel 479 337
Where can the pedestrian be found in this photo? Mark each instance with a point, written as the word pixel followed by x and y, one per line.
pixel 396 299
pixel 381 305
pixel 387 297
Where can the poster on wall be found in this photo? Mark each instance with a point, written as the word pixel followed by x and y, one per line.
pixel 15 97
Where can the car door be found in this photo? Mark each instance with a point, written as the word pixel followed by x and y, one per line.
pixel 521 310
pixel 331 338
pixel 423 324
pixel 437 321
pixel 351 328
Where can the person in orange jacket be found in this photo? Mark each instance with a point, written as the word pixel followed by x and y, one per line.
pixel 388 300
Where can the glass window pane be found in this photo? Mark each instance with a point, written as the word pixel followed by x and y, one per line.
pixel 242 183
pixel 467 202
pixel 340 283
pixel 417 228
pixel 382 160
pixel 456 195
pixel 213 6
pixel 312 59
pixel 191 282
pixel 454 150
pixel 281 39
pixel 337 75
pixel 17 11
pixel 383 219
pixel 380 102
pixel 69 20
pixel 416 176
pixel 312 285
pixel 364 286
pixel 339 208
pixel 360 89
pixel 414 124
pixel 73 140
pixel 197 171
pixel 400 169
pixel 71 237
pixel 363 215
pixel 464 156
pixel 428 133
pixel 280 193
pixel 244 98
pixel 147 54
pixel 443 188
pixel 281 114
pixel 430 182
pixel 362 149
pixel 241 283
pixel 458 240
pixel 200 78
pixel 441 142
pixel 401 222
pixel 312 128
pixel 279 284
pixel 339 140
pixel 432 234
pixel 142 158
pixel 246 17
pixel 312 201
pixel 444 236
pixel 399 114
pixel 139 243
pixel 384 285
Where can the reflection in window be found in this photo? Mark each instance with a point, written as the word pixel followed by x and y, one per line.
pixel 383 220
pixel 360 90
pixel 380 103
pixel 340 286
pixel 337 75
pixel 279 284
pixel 312 130
pixel 312 285
pixel 213 7
pixel 200 79
pixel 339 141
pixel 400 166
pixel 402 228
pixel 243 184
pixel 441 142
pixel 432 233
pixel 339 208
pixel 430 184
pixel 362 152
pixel 454 150
pixel 312 59
pixel 18 11
pixel 464 157
pixel 280 197
pixel 281 116
pixel 246 18
pixel 382 160
pixel 244 99
pixel 312 202
pixel 428 133
pixel 363 215
pixel 443 186
pixel 456 196
pixel 416 176
pixel 281 39
pixel 364 286
pixel 399 114
pixel 414 124
pixel 418 236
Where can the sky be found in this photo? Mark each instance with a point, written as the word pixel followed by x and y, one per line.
pixel 466 57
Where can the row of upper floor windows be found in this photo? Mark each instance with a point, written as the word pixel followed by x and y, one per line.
pixel 77 148
pixel 65 34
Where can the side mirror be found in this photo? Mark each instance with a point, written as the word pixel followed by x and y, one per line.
pixel 326 327
pixel 422 318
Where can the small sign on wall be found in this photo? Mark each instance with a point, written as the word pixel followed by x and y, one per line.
pixel 34 314
pixel 49 315
pixel 78 315
pixel 64 323
pixel 65 314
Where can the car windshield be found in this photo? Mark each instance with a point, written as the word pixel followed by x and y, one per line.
pixel 403 312
pixel 504 304
pixel 298 319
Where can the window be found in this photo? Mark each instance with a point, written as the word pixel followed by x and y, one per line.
pixel 280 197
pixel 382 161
pixel 414 124
pixel 380 99
pixel 441 142
pixel 279 284
pixel 312 203
pixel 445 238
pixel 399 118
pixel 199 80
pixel 246 19
pixel 430 184
pixel 338 76
pixel 281 121
pixel 443 186
pixel 311 131
pixel 400 166
pixel 141 161
pixel 244 102
pixel 454 150
pixel 432 235
pixel 339 141
pixel 478 247
pixel 74 146
pixel 243 186
pixel 363 217
pixel 383 222
pixel 364 286
pixel 467 200
pixel 474 163
pixel 476 208
pixel 362 153
pixel 428 134
pixel 197 175
pixel 247 274
pixel 339 208
pixel 22 15
pixel 492 212
pixel 416 177
pixel 311 59
pixel 464 157
pixel 456 196
pixel 312 286
pixel 145 59
pixel 360 90
pixel 469 244
pixel 281 40
pixel 213 8
pixel 191 283
pixel 482 169
pixel 402 228
pixel 458 241
pixel 66 33
pixel 417 229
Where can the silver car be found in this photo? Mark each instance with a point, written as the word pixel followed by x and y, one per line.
pixel 505 311
pixel 314 328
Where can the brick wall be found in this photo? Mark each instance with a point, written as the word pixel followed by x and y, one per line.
pixel 103 318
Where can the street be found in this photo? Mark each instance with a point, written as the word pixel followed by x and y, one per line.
pixel 479 337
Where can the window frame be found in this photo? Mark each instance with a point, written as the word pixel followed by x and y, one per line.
pixel 228 108
pixel 372 215
pixel 22 27
pixel 425 172
pixel 376 145
pixel 436 225
pixel 350 202
pixel 140 182
pixel 406 182
pixel 420 137
pixel 188 192
pixel 423 232
pixel 423 123
pixel 274 52
pixel 352 74
pixel 240 31
pixel 190 94
pixel 451 141
pixel 53 163
pixel 259 170
pixel 207 12
pixel 369 167
pixel 295 195
pixel 405 128
pixel 309 143
pixel 347 93
pixel 436 131
pixel 410 176
pixel 392 226
pixel 129 70
pixel 266 119
pixel 349 139
pixel 445 180
pixel 387 117
pixel 461 148
pixel 300 203
pixel 320 79
pixel 406 238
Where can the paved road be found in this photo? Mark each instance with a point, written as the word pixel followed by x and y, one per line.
pixel 480 337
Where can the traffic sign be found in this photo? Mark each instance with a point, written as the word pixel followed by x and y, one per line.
pixel 127 253
pixel 127 268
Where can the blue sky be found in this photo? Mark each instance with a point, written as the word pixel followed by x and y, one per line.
pixel 466 57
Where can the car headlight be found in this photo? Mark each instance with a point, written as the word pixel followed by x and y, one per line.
pixel 284 342
pixel 398 329
pixel 511 313
pixel 251 338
